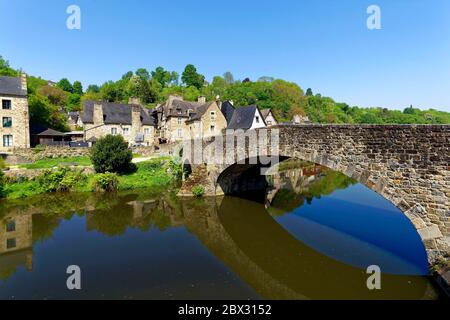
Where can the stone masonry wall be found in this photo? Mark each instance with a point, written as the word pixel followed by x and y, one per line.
pixel 21 156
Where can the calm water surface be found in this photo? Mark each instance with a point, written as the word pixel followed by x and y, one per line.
pixel 311 235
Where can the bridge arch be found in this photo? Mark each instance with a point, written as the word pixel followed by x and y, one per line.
pixel 409 165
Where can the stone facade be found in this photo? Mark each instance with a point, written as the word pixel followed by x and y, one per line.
pixel 134 132
pixel 211 123
pixel 15 126
pixel 409 165
pixel 172 118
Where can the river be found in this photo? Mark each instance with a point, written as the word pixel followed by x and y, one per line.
pixel 311 234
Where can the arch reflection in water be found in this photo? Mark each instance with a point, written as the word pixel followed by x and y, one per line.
pixel 155 246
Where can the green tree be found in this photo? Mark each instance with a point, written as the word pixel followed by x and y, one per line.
pixel 191 78
pixel 138 87
pixel 6 70
pixel 174 78
pixel 228 77
pixel 309 92
pixel 191 93
pixel 74 102
pixel 65 85
pixel 111 154
pixel 128 75
pixel 43 112
pixel 54 95
pixel 93 88
pixel 110 92
pixel 78 88
pixel 143 74
pixel 162 76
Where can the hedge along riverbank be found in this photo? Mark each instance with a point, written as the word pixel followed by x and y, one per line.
pixel 156 173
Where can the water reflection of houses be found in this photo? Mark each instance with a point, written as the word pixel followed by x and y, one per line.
pixel 16 242
pixel 296 180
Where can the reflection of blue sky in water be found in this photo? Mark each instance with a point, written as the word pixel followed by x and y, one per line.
pixel 359 227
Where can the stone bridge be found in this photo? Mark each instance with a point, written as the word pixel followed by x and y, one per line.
pixel 409 165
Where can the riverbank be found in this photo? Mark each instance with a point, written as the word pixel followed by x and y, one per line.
pixel 72 176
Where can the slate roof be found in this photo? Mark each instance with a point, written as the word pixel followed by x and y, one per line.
pixel 11 86
pixel 176 107
pixel 243 118
pixel 74 116
pixel 200 111
pixel 115 113
pixel 227 110
pixel 37 129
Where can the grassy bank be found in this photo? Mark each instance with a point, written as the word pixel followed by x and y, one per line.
pixel 156 173
pixel 51 163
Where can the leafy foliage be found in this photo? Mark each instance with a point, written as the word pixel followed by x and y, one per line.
pixel 191 78
pixel 59 180
pixel 2 182
pixel 111 154
pixel 198 191
pixel 107 182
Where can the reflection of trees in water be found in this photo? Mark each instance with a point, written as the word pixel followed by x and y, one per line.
pixel 323 182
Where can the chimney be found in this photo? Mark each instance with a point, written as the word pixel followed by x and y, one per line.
pixel 135 101
pixel 23 81
pixel 98 113
pixel 202 100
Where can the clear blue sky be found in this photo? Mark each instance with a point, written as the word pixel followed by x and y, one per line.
pixel 322 44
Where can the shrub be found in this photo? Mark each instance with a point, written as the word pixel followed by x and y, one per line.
pixel 61 179
pixel 108 182
pixel 198 191
pixel 111 154
pixel 2 183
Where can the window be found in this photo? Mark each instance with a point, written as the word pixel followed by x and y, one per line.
pixel 147 132
pixel 213 115
pixel 11 226
pixel 6 104
pixel 126 131
pixel 180 133
pixel 11 243
pixel 7 122
pixel 8 140
pixel 213 128
pixel 180 121
pixel 257 119
pixel 114 131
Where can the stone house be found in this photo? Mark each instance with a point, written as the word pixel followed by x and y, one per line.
pixel 14 113
pixel 173 116
pixel 207 121
pixel 269 118
pixel 134 122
